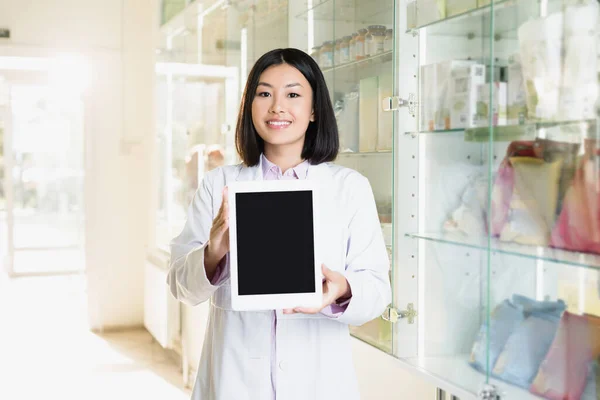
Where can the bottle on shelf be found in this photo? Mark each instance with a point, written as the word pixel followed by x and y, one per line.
pixel 361 44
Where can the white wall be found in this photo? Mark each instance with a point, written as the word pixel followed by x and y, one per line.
pixel 117 39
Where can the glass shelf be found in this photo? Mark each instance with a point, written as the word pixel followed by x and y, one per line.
pixel 465 381
pixel 365 154
pixel 571 258
pixel 508 133
pixel 376 59
pixel 347 10
pixel 509 15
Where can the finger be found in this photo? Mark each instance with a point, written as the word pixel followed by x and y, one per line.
pixel 328 274
pixel 305 310
pixel 225 196
pixel 289 311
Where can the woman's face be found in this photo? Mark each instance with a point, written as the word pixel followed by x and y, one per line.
pixel 282 108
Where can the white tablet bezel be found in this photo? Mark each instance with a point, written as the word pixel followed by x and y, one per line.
pixel 273 301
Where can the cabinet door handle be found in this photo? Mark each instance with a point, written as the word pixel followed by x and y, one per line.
pixel 392 314
pixel 395 103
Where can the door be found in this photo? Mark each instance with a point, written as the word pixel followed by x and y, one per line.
pixel 43 171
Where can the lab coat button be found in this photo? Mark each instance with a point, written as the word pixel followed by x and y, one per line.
pixel 282 365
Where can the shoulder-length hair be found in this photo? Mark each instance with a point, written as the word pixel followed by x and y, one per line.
pixel 321 143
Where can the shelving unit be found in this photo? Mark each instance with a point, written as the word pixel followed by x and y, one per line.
pixel 373 60
pixel 345 10
pixel 538 253
pixel 454 374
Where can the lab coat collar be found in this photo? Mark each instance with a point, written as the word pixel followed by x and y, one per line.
pixel 319 172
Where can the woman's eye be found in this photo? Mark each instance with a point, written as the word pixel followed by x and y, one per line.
pixel 263 94
pixel 294 95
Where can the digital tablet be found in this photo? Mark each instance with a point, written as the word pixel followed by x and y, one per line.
pixel 273 245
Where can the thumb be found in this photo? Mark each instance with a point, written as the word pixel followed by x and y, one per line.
pixel 225 193
pixel 327 273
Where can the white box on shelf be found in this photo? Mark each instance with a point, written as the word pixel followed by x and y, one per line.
pixel 516 94
pixel 463 95
pixel 429 94
pixel 411 15
pixel 385 125
pixel 367 109
pixel 455 7
pixel 429 11
pixel 497 107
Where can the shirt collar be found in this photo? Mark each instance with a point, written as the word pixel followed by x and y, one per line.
pixel 301 170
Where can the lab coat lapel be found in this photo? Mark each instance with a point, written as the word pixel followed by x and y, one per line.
pixel 250 173
pixel 330 227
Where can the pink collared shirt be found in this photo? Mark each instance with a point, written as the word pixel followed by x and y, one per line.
pixel 271 171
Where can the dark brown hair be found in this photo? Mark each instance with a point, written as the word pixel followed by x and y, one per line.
pixel 321 143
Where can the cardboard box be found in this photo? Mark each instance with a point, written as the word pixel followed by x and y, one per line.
pixel 385 125
pixel 497 106
pixel 429 11
pixel 429 95
pixel 368 114
pixel 456 7
pixel 436 88
pixel 463 95
pixel 411 15
pixel 516 94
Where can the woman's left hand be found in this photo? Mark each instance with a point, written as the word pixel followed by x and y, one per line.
pixel 335 286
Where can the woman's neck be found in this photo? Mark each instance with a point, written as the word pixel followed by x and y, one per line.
pixel 283 158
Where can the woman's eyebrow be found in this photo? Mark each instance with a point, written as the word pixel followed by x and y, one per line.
pixel 289 85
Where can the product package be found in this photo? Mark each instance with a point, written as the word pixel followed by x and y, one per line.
pixel 429 11
pixel 411 15
pixel 463 95
pixel 491 98
pixel 516 95
pixel 579 85
pixel 437 89
pixel 532 210
pixel 368 113
pixel 455 7
pixel 385 125
pixel 540 48
pixel 429 95
pixel 564 372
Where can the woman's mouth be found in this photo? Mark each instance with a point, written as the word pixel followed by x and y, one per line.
pixel 278 124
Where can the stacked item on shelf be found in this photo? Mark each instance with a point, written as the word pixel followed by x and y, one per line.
pixel 559 55
pixel 360 45
pixel 541 347
pixel 457 94
pixel 363 125
pixel 424 12
pixel 544 193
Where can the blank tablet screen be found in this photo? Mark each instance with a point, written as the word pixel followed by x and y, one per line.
pixel 275 242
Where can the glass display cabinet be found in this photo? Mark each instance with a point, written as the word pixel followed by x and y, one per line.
pixel 476 123
pixel 498 191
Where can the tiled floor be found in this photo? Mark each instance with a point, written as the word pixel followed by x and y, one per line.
pixel 47 352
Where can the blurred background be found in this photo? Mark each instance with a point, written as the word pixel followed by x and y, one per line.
pixel 111 111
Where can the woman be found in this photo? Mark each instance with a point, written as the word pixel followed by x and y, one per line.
pixel 286 129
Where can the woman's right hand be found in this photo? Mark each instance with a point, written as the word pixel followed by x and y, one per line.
pixel 218 244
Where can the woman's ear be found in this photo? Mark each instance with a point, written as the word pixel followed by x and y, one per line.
pixel 312 116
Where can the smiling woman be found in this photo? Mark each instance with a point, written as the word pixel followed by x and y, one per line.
pixel 286 131
pixel 286 108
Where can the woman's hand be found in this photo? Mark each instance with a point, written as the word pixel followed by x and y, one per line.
pixel 218 243
pixel 335 286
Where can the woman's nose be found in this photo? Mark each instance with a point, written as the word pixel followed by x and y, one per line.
pixel 276 107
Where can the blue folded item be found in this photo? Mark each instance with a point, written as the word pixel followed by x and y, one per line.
pixel 504 321
pixel 530 306
pixel 526 349
pixel 592 388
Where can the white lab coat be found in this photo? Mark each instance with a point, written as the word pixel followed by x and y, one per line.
pixel 313 356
